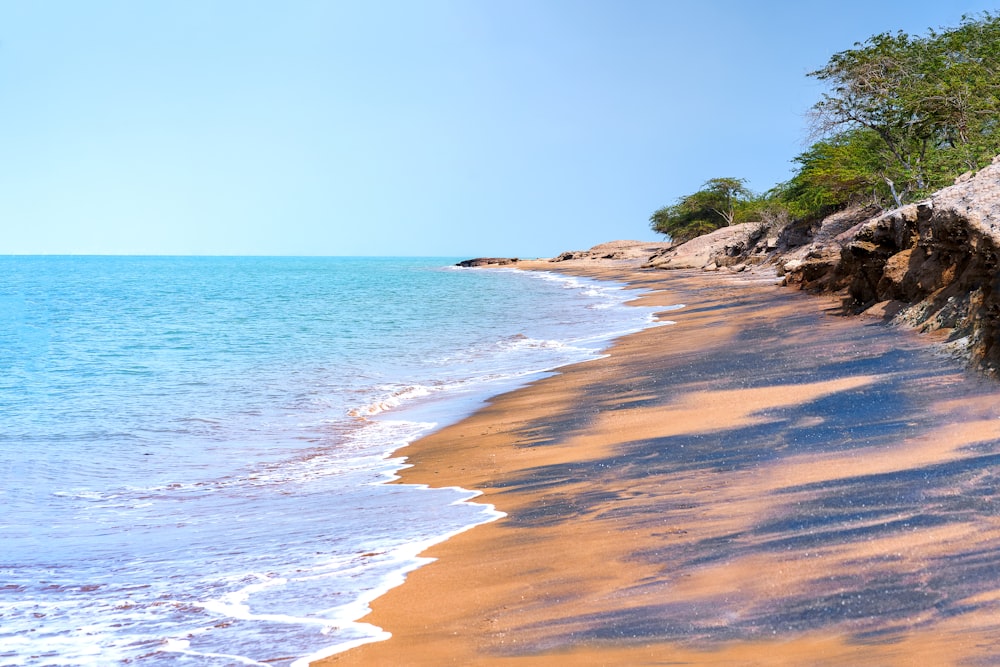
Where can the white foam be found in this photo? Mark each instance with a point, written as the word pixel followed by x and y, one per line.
pixel 522 342
pixel 236 604
pixel 377 635
pixel 396 397
pixel 410 559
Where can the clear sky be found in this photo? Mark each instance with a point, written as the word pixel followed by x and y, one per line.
pixel 441 128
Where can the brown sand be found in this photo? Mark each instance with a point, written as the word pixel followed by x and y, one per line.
pixel 762 482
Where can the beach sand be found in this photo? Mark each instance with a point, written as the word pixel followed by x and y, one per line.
pixel 761 482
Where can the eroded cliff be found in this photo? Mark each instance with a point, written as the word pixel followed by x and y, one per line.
pixel 932 264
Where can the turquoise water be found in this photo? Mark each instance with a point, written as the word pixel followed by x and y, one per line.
pixel 193 451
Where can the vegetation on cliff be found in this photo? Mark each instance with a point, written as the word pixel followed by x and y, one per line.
pixel 903 116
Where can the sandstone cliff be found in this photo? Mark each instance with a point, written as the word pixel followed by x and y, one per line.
pixel 932 265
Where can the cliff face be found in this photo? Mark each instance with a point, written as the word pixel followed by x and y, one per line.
pixel 734 246
pixel 934 264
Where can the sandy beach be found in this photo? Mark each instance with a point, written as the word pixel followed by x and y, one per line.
pixel 762 481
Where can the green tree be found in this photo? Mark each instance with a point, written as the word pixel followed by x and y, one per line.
pixel 961 72
pixel 725 195
pixel 845 169
pixel 872 88
pixel 719 203
pixel 932 102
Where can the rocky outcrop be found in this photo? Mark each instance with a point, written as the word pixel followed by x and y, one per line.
pixel 735 247
pixel 809 257
pixel 615 250
pixel 487 261
pixel 932 265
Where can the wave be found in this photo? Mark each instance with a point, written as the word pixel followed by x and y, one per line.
pixel 394 399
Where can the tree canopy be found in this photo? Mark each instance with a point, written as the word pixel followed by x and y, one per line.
pixel 718 204
pixel 932 101
pixel 903 116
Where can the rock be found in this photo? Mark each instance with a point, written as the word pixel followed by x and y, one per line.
pixel 932 264
pixel 487 261
pixel 615 250
pixel 813 265
pixel 790 266
pixel 723 247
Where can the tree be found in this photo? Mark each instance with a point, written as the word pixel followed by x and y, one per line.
pixel 718 204
pixel 724 195
pixel 932 101
pixel 846 169
pixel 872 88
pixel 962 71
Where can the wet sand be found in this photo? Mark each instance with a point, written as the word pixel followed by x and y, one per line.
pixel 761 482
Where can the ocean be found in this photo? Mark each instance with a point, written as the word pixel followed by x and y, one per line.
pixel 194 452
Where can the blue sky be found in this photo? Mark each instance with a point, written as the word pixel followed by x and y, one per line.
pixel 439 128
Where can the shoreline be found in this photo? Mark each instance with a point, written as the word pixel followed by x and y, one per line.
pixel 762 482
